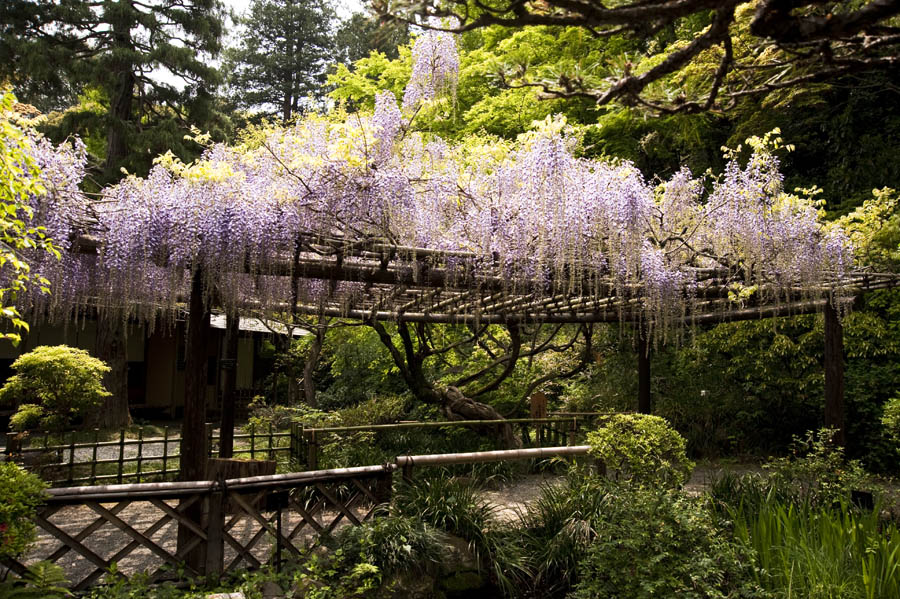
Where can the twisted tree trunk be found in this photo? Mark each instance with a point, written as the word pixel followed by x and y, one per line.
pixel 455 405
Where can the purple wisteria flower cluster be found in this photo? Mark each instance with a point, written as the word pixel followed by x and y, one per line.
pixel 534 213
pixel 435 68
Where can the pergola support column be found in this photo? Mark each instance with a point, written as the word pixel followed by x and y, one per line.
pixel 194 449
pixel 834 374
pixel 228 369
pixel 644 403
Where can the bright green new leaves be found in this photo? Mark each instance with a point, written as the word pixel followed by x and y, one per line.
pixel 21 493
pixel 53 385
pixel 19 182
pixel 482 105
pixel 643 449
pixel 874 229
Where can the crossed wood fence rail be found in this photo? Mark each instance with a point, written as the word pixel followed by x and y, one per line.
pixel 177 530
pixel 191 529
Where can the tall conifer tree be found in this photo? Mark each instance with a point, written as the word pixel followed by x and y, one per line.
pixel 282 55
pixel 52 50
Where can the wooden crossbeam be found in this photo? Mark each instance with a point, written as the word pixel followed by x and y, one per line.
pixel 61 535
pixel 253 513
pixel 141 539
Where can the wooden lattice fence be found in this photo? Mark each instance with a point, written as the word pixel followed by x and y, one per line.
pixel 173 530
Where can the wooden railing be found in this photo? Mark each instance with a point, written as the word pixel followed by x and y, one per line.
pixel 178 530
pixel 204 528
pixel 130 459
pixel 307 442
pixel 157 458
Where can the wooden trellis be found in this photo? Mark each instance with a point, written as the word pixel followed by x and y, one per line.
pixel 246 522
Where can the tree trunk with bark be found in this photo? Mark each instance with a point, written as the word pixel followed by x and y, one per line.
pixel 309 367
pixel 112 349
pixel 121 98
pixel 455 405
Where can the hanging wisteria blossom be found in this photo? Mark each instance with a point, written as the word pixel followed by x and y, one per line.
pixel 264 221
pixel 435 68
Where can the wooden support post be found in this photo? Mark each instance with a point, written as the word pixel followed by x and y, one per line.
pixel 165 453
pixel 228 368
pixel 194 450
pixel 140 453
pixel 383 486
pixel 644 402
pixel 834 374
pixel 312 453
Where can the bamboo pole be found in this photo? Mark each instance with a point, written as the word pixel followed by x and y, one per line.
pixel 94 455
pixel 121 452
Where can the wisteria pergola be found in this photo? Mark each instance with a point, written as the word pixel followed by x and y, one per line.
pixel 375 280
pixel 366 218
pixel 401 283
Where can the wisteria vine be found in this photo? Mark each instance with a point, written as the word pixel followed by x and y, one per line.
pixel 531 212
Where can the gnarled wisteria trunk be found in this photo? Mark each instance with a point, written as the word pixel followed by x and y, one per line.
pixel 457 406
pixel 112 349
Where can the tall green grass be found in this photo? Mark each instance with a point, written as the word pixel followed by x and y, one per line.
pixel 812 552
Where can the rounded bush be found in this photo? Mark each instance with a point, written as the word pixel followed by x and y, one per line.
pixel 61 381
pixel 642 449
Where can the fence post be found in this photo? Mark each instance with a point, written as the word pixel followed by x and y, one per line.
pixel 71 456
pixel 384 485
pixel 165 456
pixel 140 453
pixel 312 452
pixel 121 454
pixel 94 456
pixel 215 530
pixel 271 453
pixel 573 429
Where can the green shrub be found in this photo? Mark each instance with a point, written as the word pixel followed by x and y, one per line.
pixel 64 381
pixel 380 410
pixel 556 529
pixel 816 472
pixel 449 505
pixel 43 580
pixel 642 449
pixel 659 543
pixel 891 418
pixel 28 417
pixel 21 493
pixel 394 544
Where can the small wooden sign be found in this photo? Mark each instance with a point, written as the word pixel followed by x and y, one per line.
pixel 539 405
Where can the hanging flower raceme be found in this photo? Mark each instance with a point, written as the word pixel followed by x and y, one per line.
pixel 435 68
pixel 532 213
